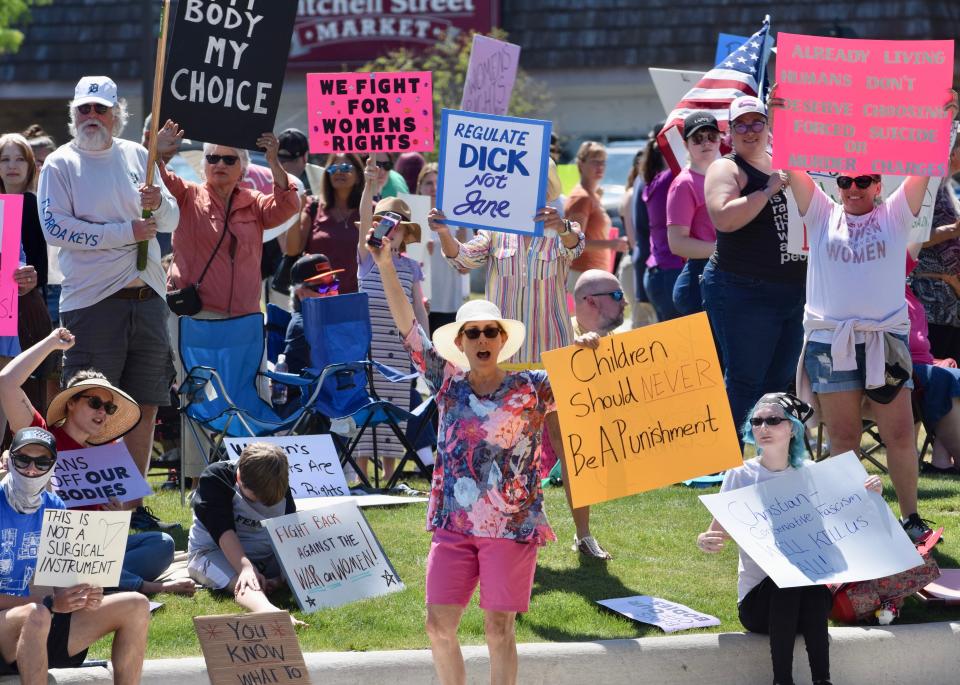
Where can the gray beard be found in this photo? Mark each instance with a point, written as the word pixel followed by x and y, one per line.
pixel 93 140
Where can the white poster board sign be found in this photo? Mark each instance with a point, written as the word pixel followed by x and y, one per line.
pixel 315 469
pixel 673 84
pixel 666 615
pixel 330 557
pixel 816 525
pixel 493 171
pixel 419 209
pixel 81 547
pixel 96 475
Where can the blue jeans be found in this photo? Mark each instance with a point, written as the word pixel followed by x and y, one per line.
pixel 659 286
pixel 758 326
pixel 148 555
pixel 686 291
pixel 53 302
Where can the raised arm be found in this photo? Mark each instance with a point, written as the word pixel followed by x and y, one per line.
pixel 15 404
pixel 400 307
pixel 366 205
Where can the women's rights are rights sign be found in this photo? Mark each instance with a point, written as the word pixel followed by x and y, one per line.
pixel 493 171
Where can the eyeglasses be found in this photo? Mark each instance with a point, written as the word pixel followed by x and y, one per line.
pixel 229 160
pixel 85 109
pixel 757 421
pixel 388 165
pixel 343 168
pixel 701 138
pixel 489 332
pixel 756 127
pixel 617 295
pixel 23 462
pixel 97 404
pixel 863 182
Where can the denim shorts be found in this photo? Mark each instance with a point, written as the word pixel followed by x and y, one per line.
pixel 818 363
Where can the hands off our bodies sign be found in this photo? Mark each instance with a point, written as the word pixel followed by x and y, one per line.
pixel 645 409
pixel 863 106
pixel 225 68
pixel 493 171
pixel 370 112
pixel 815 525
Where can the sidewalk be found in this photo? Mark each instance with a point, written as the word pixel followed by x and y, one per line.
pixel 893 655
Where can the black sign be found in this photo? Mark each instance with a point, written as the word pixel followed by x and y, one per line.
pixel 225 66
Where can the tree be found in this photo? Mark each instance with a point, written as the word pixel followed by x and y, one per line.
pixel 448 61
pixel 14 12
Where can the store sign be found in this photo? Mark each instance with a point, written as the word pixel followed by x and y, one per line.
pixel 336 32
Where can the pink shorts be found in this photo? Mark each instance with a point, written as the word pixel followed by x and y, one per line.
pixel 504 568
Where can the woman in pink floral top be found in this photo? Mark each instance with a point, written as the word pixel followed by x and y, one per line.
pixel 486 506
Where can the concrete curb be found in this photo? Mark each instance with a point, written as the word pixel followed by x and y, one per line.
pixel 926 653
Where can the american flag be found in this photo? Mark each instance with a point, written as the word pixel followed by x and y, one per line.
pixel 741 73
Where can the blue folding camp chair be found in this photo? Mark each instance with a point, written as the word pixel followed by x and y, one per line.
pixel 338 331
pixel 277 321
pixel 219 396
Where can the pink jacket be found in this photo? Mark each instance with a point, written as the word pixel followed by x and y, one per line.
pixel 232 284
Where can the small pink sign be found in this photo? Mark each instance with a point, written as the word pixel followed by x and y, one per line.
pixel 370 112
pixel 11 218
pixel 863 106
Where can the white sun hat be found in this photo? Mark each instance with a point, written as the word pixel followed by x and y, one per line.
pixel 444 338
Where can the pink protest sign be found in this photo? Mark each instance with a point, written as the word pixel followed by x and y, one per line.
pixel 11 217
pixel 863 106
pixel 490 76
pixel 370 112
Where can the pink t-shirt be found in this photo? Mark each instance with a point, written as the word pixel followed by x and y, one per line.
pixel 919 333
pixel 687 206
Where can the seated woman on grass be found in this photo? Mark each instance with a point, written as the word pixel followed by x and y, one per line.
pixel 90 412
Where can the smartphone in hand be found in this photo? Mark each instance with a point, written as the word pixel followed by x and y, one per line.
pixel 388 222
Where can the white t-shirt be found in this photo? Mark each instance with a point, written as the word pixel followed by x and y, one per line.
pixel 855 269
pixel 749 573
pixel 87 203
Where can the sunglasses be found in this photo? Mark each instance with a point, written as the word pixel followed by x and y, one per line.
pixel 229 160
pixel 490 332
pixel 325 288
pixel 85 109
pixel 617 295
pixel 388 165
pixel 701 138
pixel 23 462
pixel 863 182
pixel 97 404
pixel 757 421
pixel 756 127
pixel 343 168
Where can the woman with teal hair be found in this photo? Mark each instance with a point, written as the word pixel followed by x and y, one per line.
pixel 775 427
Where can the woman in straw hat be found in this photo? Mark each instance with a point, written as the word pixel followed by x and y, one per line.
pixel 90 412
pixel 385 347
pixel 486 506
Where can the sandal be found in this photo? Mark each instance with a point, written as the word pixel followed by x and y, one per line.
pixel 589 547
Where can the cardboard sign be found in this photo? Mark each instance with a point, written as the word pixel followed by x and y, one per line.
pixel 863 106
pixel 81 547
pixel 96 475
pixel 330 557
pixel 225 68
pixel 645 409
pixel 666 615
pixel 490 76
pixel 11 218
pixel 370 112
pixel 816 525
pixel 251 649
pixel 493 171
pixel 315 469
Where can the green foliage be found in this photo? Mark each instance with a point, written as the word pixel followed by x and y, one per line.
pixel 14 12
pixel 448 60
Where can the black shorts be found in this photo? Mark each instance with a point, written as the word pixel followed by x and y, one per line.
pixel 57 656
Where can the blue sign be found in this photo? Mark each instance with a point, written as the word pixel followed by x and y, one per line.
pixel 727 43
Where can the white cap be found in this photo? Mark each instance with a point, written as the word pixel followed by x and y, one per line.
pixel 745 104
pixel 95 89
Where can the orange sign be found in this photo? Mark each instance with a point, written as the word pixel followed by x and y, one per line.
pixel 645 409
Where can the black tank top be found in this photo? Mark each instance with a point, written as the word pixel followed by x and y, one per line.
pixel 759 249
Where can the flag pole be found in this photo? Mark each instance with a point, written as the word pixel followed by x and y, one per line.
pixel 143 245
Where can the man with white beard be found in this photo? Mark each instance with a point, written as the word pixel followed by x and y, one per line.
pixel 91 197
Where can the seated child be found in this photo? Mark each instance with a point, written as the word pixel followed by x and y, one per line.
pixel 228 547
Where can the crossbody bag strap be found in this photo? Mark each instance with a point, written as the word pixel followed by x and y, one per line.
pixel 223 235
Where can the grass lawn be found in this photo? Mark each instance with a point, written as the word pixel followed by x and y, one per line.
pixel 651 536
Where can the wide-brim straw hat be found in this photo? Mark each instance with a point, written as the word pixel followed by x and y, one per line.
pixel 413 232
pixel 444 338
pixel 115 426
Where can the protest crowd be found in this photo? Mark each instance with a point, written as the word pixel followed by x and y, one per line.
pixel 135 263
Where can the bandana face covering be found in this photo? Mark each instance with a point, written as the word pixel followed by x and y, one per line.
pixel 23 493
